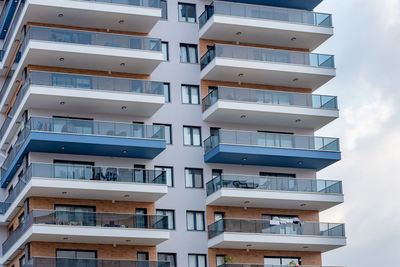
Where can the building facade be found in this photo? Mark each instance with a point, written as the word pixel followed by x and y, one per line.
pixel 165 133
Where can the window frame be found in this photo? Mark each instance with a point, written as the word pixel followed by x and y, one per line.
pixel 193 176
pixel 187 46
pixel 166 125
pixel 191 136
pixel 197 259
pixel 173 217
pixel 166 10
pixel 194 214
pixel 185 5
pixel 190 87
pixel 167 94
pixel 167 49
pixel 172 173
pixel 168 254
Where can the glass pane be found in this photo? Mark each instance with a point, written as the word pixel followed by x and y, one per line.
pixel 196 137
pixel 192 54
pixel 190 220
pixel 192 261
pixel 187 136
pixel 165 50
pixel 185 95
pixel 195 95
pixel 184 55
pixel 272 261
pixel 202 260
pixel 200 221
pixel 188 178
pixel 291 261
pixel 167 92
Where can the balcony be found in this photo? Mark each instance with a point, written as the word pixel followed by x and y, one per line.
pixel 259 24
pixel 89 94
pixel 84 182
pixel 87 227
pixel 297 4
pixel 67 48
pixel 273 235
pixel 66 262
pixel 277 193
pixel 270 149
pixel 245 64
pixel 262 265
pixel 83 137
pixel 251 106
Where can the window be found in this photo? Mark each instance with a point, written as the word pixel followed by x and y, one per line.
pixel 281 261
pixel 170 257
pixel 168 132
pixel 197 260
pixel 218 216
pixel 164 9
pixel 278 175
pixel 188 53
pixel 171 217
pixel 142 256
pixel 75 254
pixel 220 259
pixel 191 136
pixel 195 220
pixel 167 92
pixel 169 171
pixel 165 50
pixel 216 173
pixel 79 215
pixel 190 94
pixel 21 219
pixel 187 12
pixel 194 178
pixel 22 261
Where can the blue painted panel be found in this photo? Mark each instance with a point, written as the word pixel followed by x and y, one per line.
pixel 84 145
pixel 278 157
pixel 5 24
pixel 299 4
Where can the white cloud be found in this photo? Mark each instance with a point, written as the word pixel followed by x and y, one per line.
pixel 366 120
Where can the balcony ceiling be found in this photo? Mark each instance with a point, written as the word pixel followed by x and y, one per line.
pixel 299 4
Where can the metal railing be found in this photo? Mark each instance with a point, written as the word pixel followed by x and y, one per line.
pixel 269 97
pixel 265 265
pixel 270 227
pixel 67 262
pixel 81 172
pixel 267 55
pixel 92 219
pixel 274 184
pixel 59 35
pixel 271 140
pixel 83 127
pixel 77 81
pixel 265 12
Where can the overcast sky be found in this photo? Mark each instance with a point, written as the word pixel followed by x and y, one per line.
pixel 366 45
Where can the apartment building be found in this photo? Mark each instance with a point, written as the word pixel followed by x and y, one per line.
pixel 165 133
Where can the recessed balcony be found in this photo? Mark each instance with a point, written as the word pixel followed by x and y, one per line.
pixel 67 262
pixel 244 64
pixel 88 228
pixel 84 137
pixel 259 24
pixel 273 235
pixel 251 106
pixel 90 94
pixel 84 182
pixel 277 193
pixel 270 149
